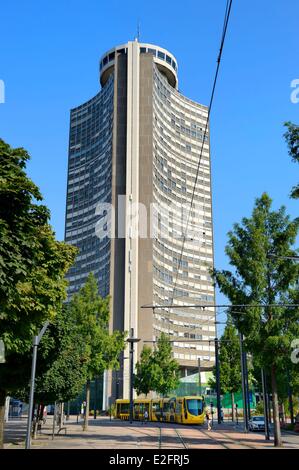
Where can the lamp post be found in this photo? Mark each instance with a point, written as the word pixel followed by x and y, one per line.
pixel 244 388
pixel 131 341
pixel 218 380
pixel 199 377
pixel 266 405
pixel 290 397
pixel 36 341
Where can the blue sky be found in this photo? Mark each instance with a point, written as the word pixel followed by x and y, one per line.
pixel 49 63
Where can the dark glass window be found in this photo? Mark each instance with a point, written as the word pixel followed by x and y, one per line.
pixel 121 51
pixel 111 56
pixel 152 51
pixel 161 55
pixel 168 59
pixel 142 50
pixel 105 60
pixel 173 64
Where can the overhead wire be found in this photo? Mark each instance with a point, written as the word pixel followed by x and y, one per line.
pixel 224 31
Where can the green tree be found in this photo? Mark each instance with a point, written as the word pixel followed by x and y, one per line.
pixel 166 377
pixel 103 349
pixel 61 368
pixel 257 249
pixel 230 364
pixel 292 139
pixel 145 371
pixel 157 370
pixel 32 269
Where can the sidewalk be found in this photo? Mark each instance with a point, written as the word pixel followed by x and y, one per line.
pixel 104 433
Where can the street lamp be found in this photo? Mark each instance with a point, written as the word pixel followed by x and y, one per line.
pixel 131 341
pixel 218 380
pixel 199 377
pixel 244 383
pixel 266 404
pixel 36 341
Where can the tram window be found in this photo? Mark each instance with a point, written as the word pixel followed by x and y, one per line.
pixel 124 408
pixel 156 406
pixel 178 407
pixel 166 406
pixel 194 406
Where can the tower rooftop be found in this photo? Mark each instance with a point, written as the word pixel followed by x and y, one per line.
pixel 166 62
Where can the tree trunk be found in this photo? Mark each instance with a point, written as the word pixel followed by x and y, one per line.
pixel 233 407
pixel 277 432
pixel 62 414
pixel 85 423
pixel 2 414
pixel 95 397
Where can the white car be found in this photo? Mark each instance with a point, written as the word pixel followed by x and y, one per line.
pixel 257 423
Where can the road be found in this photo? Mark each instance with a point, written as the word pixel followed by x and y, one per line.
pixel 115 434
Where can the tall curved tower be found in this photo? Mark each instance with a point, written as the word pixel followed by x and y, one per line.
pixel 136 146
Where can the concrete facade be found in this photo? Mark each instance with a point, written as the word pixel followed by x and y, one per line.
pixel 142 142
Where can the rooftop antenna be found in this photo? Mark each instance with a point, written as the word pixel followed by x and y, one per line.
pixel 138 31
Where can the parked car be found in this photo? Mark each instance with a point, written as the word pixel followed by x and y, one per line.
pixel 257 423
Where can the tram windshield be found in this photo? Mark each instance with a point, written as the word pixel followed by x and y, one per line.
pixel 194 406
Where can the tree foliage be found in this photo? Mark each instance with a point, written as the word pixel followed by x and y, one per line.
pixel 157 370
pixel 145 370
pixel 61 367
pixel 103 348
pixel 292 139
pixel 229 360
pixel 32 262
pixel 257 249
pixel 91 312
pixel 32 269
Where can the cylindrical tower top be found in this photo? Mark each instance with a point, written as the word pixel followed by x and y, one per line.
pixel 166 62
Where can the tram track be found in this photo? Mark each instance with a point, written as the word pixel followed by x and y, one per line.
pixel 225 435
pixel 163 437
pixel 181 439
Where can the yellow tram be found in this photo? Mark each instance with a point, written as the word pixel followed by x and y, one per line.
pixel 185 410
